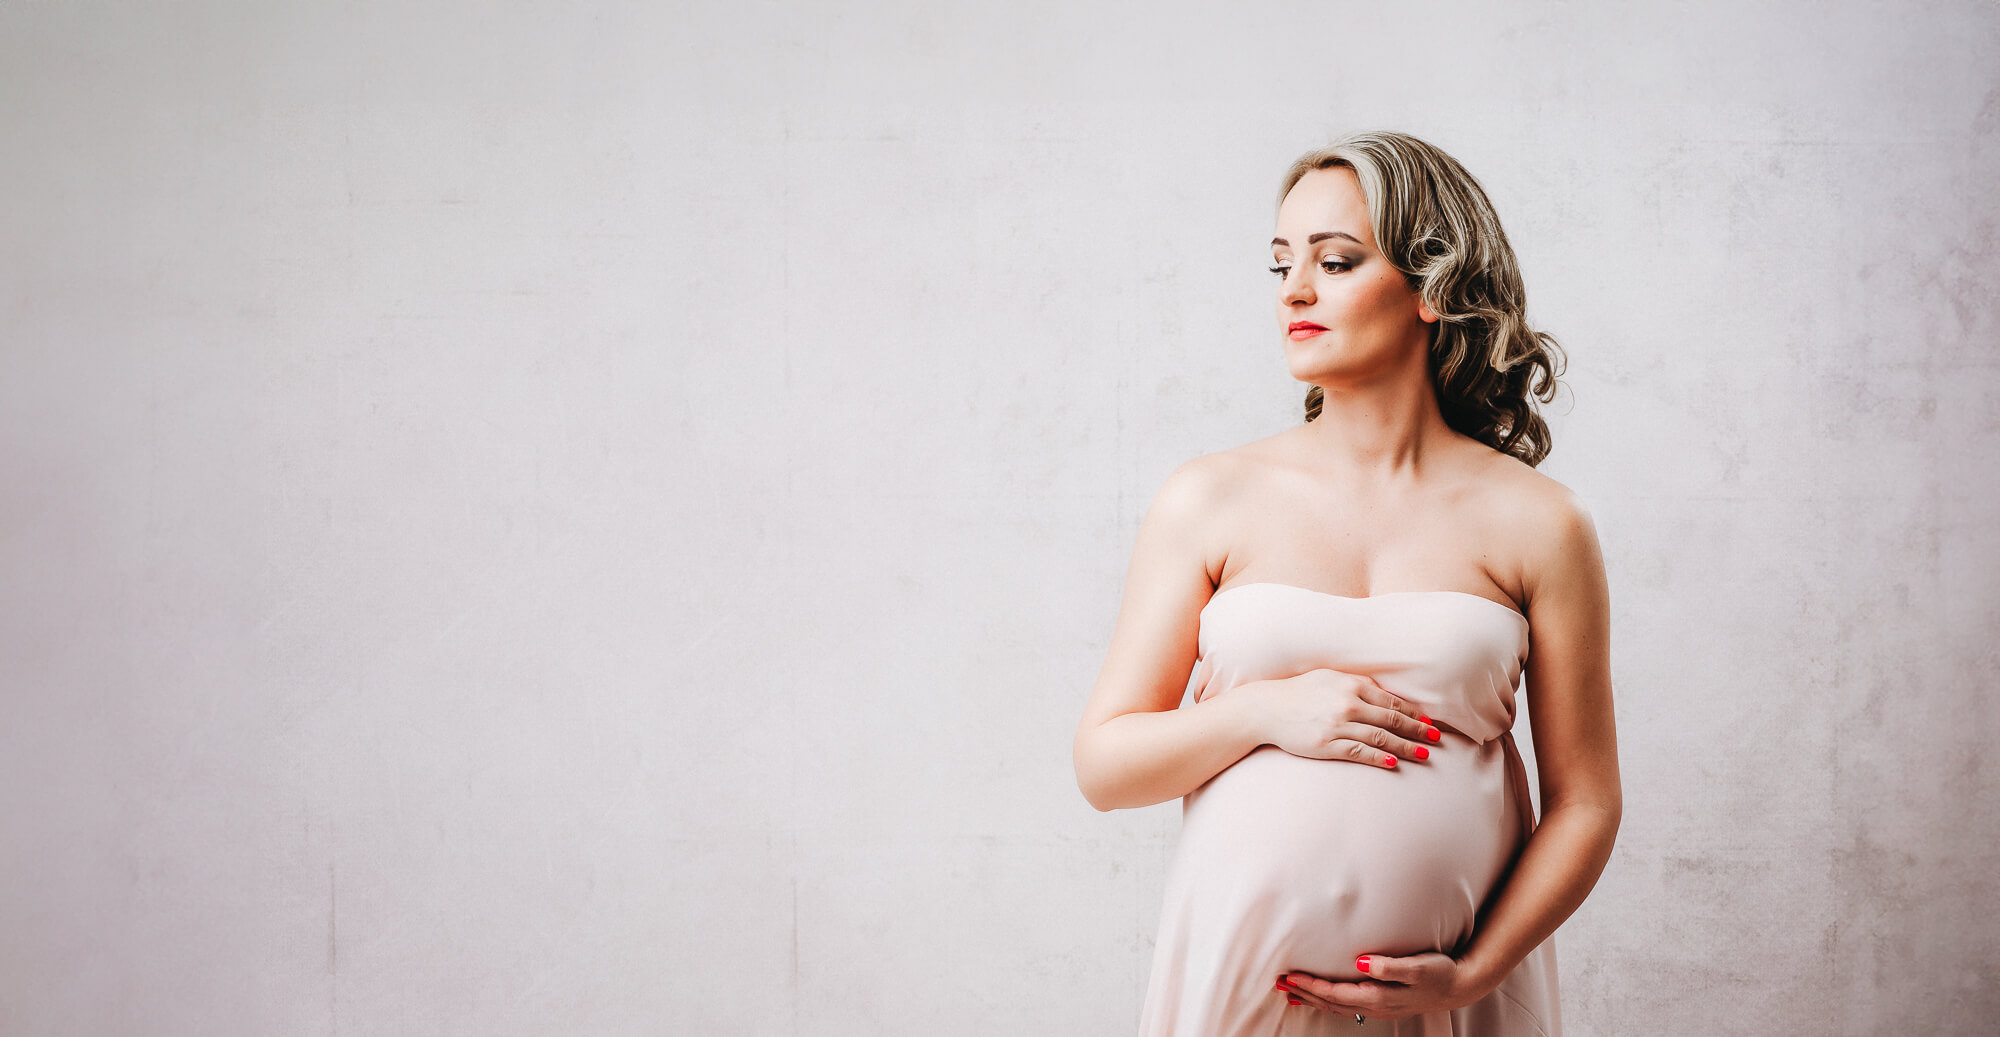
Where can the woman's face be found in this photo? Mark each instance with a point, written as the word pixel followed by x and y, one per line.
pixel 1344 312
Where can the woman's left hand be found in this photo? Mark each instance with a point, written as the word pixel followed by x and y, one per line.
pixel 1395 987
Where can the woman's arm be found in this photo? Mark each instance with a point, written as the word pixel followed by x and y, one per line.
pixel 1576 754
pixel 1134 747
pixel 1576 745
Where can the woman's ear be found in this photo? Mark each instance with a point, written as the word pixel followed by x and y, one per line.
pixel 1424 311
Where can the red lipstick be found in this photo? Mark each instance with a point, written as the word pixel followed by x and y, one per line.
pixel 1303 329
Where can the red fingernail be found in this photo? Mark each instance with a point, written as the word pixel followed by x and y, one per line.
pixel 1388 761
pixel 1423 753
pixel 1280 988
pixel 1423 718
pixel 1361 963
pixel 1293 1001
pixel 1432 734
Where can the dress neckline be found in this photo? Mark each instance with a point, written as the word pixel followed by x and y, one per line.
pixel 1511 610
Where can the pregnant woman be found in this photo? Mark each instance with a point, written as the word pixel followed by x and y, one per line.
pixel 1357 599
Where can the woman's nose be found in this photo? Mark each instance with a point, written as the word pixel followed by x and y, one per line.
pixel 1297 287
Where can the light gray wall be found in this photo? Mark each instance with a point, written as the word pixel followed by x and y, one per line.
pixel 601 519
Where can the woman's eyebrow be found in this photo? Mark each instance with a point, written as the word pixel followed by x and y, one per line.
pixel 1321 236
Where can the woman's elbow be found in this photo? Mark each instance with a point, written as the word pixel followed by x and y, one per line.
pixel 1096 791
pixel 1601 811
pixel 1609 811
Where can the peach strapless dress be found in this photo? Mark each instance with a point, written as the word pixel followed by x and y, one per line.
pixel 1292 864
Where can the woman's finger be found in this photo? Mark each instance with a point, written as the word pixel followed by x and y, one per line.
pixel 1408 971
pixel 1359 751
pixel 1387 741
pixel 1317 993
pixel 1297 996
pixel 1375 695
pixel 1420 732
pixel 1360 998
pixel 1301 1000
pixel 1387 970
pixel 1309 1001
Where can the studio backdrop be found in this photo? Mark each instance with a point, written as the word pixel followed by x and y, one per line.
pixel 601 519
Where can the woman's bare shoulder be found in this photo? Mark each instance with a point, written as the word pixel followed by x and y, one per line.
pixel 1529 498
pixel 1221 475
pixel 1203 502
pixel 1550 528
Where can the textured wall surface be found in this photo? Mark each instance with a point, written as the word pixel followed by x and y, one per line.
pixel 541 518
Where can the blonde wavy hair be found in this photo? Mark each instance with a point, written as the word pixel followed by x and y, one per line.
pixel 1433 222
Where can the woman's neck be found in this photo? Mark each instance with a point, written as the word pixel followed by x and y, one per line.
pixel 1381 433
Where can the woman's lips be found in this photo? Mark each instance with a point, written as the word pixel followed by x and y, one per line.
pixel 1301 331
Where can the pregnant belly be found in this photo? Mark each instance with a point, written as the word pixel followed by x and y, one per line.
pixel 1312 862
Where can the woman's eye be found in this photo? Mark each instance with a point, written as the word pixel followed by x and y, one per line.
pixel 1331 266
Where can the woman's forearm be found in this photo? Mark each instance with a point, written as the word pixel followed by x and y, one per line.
pixel 1138 759
pixel 1554 873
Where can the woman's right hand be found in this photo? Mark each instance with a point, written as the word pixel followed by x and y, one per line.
pixel 1329 714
